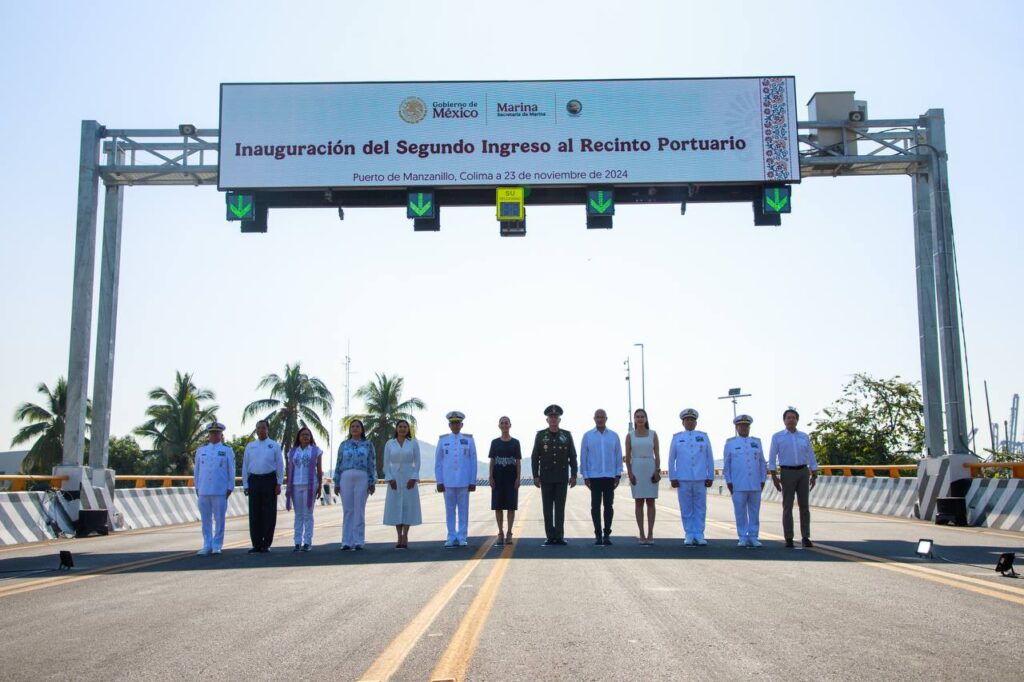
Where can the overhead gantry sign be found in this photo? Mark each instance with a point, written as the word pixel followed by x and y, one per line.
pixel 559 142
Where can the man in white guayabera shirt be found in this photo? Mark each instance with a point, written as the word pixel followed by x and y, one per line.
pixel 601 469
pixel 262 476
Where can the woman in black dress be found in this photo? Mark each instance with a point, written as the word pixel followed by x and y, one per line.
pixel 506 469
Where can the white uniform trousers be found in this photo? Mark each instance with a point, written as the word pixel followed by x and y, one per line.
pixel 456 502
pixel 354 483
pixel 747 505
pixel 211 511
pixel 693 507
pixel 303 516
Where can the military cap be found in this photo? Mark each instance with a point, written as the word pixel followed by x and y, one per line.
pixel 214 426
pixel 743 419
pixel 455 416
pixel 689 412
pixel 552 411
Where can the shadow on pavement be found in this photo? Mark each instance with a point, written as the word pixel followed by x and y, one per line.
pixel 529 548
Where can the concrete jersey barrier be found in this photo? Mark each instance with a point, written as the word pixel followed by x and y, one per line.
pixel 886 496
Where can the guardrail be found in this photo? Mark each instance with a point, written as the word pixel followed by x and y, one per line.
pixel 867 470
pixel 977 470
pixel 19 482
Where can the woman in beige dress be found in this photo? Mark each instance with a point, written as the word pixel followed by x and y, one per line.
pixel 643 464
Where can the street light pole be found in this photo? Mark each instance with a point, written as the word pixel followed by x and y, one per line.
pixel 330 446
pixel 734 395
pixel 643 378
pixel 629 394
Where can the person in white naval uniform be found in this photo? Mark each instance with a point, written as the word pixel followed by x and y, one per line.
pixel 691 468
pixel 214 482
pixel 745 471
pixel 455 472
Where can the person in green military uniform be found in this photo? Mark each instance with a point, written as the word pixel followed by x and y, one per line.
pixel 554 472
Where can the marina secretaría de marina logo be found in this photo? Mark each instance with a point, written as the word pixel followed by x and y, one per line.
pixel 574 107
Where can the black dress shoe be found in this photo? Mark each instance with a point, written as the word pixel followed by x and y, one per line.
pixel 607 540
pixel 297 548
pixel 789 544
pixel 254 550
pixel 806 542
pixel 561 543
pixel 598 541
pixel 548 543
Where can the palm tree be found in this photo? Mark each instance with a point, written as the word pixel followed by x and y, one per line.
pixel 46 425
pixel 384 407
pixel 177 422
pixel 293 403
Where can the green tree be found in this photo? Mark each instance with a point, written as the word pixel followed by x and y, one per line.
pixel 875 421
pixel 294 401
pixel 46 426
pixel 125 456
pixel 237 445
pixel 384 407
pixel 177 424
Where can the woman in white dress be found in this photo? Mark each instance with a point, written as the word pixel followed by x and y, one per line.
pixel 402 473
pixel 643 464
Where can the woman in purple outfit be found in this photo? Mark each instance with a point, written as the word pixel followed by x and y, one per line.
pixel 305 472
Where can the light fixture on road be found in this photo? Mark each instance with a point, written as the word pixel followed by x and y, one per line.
pixel 924 549
pixel 1005 565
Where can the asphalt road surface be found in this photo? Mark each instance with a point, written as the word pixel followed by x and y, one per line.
pixel 860 605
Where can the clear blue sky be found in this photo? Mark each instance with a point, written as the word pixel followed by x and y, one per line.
pixel 496 326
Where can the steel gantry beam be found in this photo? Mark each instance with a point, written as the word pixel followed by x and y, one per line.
pixel 188 156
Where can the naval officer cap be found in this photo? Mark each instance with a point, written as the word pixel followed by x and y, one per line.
pixel 215 426
pixel 455 416
pixel 743 419
pixel 689 412
pixel 552 411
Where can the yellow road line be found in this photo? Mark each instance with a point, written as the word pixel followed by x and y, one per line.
pixel 455 660
pixel 917 522
pixel 391 659
pixel 1014 595
pixel 55 581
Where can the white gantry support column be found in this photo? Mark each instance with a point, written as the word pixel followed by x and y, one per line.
pixel 931 381
pixel 81 295
pixel 957 439
pixel 106 328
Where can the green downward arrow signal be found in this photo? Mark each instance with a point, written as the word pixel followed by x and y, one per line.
pixel 419 207
pixel 601 204
pixel 241 209
pixel 778 203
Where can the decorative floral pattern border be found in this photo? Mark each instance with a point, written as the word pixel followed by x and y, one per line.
pixel 775 129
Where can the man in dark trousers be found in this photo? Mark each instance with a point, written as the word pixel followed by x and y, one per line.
pixel 554 472
pixel 792 452
pixel 262 476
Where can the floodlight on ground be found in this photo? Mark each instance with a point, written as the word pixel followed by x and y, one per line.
pixel 924 549
pixel 1005 565
pixel 66 562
